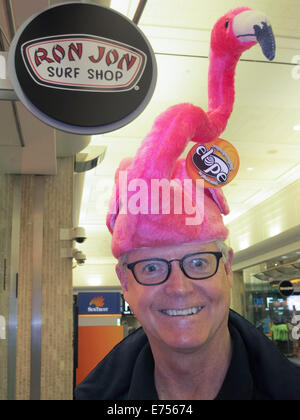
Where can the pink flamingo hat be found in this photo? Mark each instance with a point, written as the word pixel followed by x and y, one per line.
pixel 157 157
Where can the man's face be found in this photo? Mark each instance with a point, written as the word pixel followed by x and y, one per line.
pixel 151 303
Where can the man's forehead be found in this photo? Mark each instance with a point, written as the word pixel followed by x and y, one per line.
pixel 172 250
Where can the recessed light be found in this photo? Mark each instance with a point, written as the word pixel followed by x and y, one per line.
pixel 296 127
pixel 94 280
pixel 249 169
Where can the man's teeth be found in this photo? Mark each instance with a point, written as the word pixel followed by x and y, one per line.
pixel 190 311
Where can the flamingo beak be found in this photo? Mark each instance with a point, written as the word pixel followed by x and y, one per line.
pixel 251 26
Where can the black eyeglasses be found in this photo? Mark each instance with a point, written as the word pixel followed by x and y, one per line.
pixel 196 266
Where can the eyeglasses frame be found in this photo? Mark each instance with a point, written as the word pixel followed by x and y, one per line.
pixel 217 254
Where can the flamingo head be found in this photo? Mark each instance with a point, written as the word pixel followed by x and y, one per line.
pixel 240 29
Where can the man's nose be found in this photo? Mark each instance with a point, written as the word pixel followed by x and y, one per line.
pixel 178 283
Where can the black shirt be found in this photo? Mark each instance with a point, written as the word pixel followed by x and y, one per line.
pixel 238 383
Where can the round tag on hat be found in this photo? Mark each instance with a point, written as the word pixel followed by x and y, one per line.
pixel 217 163
pixel 82 68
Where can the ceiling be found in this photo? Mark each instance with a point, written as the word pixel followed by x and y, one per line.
pixel 261 127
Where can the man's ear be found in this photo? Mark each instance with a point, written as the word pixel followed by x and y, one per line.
pixel 229 275
pixel 228 268
pixel 122 276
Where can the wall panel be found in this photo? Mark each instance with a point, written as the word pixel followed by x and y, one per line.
pixel 6 203
pixel 57 292
pixel 45 346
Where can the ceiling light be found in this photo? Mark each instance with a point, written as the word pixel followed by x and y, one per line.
pixel 274 229
pixel 120 5
pixel 94 280
pixel 296 127
pixel 244 242
pixel 249 169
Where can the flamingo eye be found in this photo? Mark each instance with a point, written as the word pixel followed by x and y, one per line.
pixel 226 24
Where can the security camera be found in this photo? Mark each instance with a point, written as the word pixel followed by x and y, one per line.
pixel 79 256
pixel 79 234
pixel 75 253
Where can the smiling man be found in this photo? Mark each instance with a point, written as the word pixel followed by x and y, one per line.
pixel 177 279
pixel 181 296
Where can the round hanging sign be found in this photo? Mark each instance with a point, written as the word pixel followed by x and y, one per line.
pixel 82 68
pixel 286 288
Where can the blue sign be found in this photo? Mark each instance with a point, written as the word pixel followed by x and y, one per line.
pixel 106 303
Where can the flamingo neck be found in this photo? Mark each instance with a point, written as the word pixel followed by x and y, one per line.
pixel 221 90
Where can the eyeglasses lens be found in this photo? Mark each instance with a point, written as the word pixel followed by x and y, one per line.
pixel 200 266
pixel 197 266
pixel 151 271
